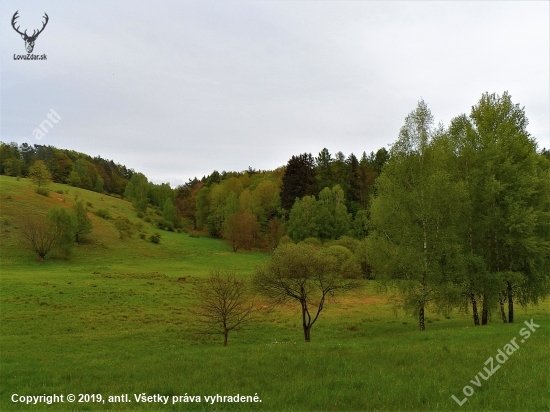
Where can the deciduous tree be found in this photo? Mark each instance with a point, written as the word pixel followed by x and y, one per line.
pixel 306 275
pixel 414 240
pixel 64 224
pixel 40 174
pixel 507 223
pixel 38 235
pixel 83 222
pixel 224 304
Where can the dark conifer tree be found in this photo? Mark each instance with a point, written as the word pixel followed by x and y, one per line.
pixel 298 180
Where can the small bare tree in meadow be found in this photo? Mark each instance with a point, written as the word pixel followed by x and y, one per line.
pixel 38 235
pixel 224 304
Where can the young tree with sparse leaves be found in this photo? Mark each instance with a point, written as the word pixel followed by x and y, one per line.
pixel 38 235
pixel 308 276
pixel 224 304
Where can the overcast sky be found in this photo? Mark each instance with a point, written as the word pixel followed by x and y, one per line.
pixel 176 89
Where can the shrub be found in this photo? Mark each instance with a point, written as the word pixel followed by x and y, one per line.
pixel 285 240
pixel 140 215
pixel 84 223
pixel 155 238
pixel 104 214
pixel 147 219
pixel 164 225
pixel 124 227
pixel 348 242
pixel 142 236
pixel 313 241
pixel 64 225
pixel 59 191
pixel 89 204
pixel 194 234
pixel 43 191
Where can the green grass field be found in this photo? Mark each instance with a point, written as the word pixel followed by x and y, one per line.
pixel 114 320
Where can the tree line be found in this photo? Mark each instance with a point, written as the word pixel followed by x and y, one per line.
pixel 452 216
pixel 460 217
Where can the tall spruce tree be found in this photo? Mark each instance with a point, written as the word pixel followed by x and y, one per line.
pixel 298 180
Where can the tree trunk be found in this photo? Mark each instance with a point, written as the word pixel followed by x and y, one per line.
pixel 485 311
pixel 306 325
pixel 502 314
pixel 474 309
pixel 421 318
pixel 510 304
pixel 307 333
pixel 226 333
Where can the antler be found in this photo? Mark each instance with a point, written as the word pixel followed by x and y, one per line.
pixel 15 16
pixel 43 26
pixel 34 34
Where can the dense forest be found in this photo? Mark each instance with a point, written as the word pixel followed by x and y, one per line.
pixel 457 215
pixel 250 208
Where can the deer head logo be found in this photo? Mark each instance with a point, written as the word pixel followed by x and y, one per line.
pixel 29 40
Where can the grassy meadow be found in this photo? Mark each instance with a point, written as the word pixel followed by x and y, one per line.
pixel 114 320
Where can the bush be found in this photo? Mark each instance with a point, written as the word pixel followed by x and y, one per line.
pixel 104 214
pixel 60 192
pixel 89 204
pixel 313 241
pixel 164 225
pixel 195 235
pixel 43 191
pixel 124 227
pixel 142 236
pixel 140 215
pixel 64 225
pixel 155 238
pixel 285 240
pixel 348 242
pixel 147 219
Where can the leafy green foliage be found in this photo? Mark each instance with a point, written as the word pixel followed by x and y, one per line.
pixel 40 174
pixel 124 226
pixel 414 215
pixel 155 238
pixel 306 275
pixel 506 230
pixel 104 214
pixel 83 222
pixel 137 191
pixel 169 212
pixel 64 225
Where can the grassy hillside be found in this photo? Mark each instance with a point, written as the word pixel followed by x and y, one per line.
pixel 114 320
pixel 103 249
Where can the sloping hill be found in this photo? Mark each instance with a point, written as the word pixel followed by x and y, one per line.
pixel 105 248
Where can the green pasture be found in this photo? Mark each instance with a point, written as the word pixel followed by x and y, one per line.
pixel 114 320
